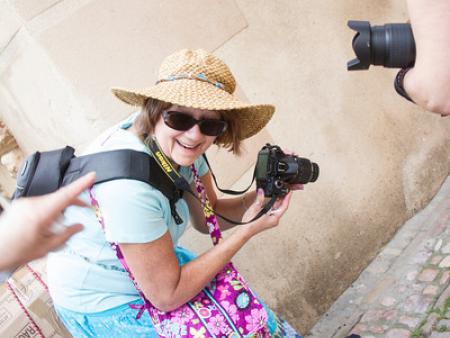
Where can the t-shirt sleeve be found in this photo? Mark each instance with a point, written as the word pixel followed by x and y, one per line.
pixel 201 166
pixel 132 211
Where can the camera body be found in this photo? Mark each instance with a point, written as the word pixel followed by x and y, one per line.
pixel 275 171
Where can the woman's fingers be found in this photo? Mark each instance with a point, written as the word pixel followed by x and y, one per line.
pixel 286 201
pixel 290 152
pixel 79 203
pixel 255 207
pixel 67 195
pixel 259 201
pixel 51 205
pixel 281 207
pixel 57 240
pixel 297 186
pixel 277 203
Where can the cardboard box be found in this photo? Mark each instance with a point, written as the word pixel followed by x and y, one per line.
pixel 36 299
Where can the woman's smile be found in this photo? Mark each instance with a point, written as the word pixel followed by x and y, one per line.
pixel 187 146
pixel 183 147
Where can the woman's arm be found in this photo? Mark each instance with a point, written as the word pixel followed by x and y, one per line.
pixel 428 83
pixel 168 285
pixel 233 208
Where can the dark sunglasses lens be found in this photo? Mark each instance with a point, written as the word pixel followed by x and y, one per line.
pixel 212 127
pixel 179 121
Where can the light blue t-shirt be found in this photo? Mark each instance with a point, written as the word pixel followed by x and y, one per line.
pixel 86 276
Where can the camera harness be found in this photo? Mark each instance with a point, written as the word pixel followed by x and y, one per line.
pixel 182 185
pixel 45 172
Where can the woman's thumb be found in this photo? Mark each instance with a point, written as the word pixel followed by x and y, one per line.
pixel 259 198
pixel 61 238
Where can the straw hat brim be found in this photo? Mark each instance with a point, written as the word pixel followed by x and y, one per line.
pixel 202 95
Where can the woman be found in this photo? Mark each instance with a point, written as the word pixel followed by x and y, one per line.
pixel 190 108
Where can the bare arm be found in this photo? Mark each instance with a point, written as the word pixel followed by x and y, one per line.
pixel 428 83
pixel 168 285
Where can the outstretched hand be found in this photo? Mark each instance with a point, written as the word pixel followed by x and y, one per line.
pixel 269 219
pixel 27 228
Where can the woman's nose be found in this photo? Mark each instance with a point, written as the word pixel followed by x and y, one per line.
pixel 195 132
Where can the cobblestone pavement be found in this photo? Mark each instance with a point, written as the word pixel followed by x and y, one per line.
pixel 405 291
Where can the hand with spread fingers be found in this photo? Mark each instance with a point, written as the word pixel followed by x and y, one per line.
pixel 272 217
pixel 27 227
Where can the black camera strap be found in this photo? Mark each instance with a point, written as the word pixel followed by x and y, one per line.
pixel 226 191
pixel 181 183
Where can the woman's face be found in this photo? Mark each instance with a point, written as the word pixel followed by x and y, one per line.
pixel 184 147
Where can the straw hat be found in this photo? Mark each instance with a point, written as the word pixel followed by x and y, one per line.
pixel 198 79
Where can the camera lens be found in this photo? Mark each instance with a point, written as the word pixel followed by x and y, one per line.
pixel 391 45
pixel 307 171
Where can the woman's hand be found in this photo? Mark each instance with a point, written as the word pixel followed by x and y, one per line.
pixel 26 228
pixel 269 219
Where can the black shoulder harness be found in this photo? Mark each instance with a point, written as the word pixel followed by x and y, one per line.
pixel 45 172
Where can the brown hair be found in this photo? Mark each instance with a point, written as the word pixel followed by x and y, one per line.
pixel 152 111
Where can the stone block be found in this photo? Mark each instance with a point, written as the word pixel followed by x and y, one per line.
pixel 430 290
pixel 10 23
pixel 29 9
pixel 445 262
pixel 435 260
pixel 438 245
pixel 446 249
pixel 428 275
pixel 435 334
pixel 444 278
pixel 411 322
pixel 84 45
pixel 377 329
pixel 444 323
pixel 398 333
pixel 388 301
pixel 37 104
pixel 415 304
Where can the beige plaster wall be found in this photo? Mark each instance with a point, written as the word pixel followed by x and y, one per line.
pixel 381 158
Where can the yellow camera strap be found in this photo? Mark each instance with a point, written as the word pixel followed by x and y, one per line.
pixel 182 184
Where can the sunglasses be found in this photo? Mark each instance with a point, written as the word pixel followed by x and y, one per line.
pixel 182 121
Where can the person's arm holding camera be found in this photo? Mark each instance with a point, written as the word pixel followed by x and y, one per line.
pixel 235 208
pixel 170 285
pixel 26 226
pixel 428 82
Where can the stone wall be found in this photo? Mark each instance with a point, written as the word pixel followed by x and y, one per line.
pixel 11 157
pixel 381 158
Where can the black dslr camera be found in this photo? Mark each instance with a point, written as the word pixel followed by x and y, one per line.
pixel 275 171
pixel 391 45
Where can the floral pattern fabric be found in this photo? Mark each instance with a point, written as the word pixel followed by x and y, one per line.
pixel 227 307
pixel 121 322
